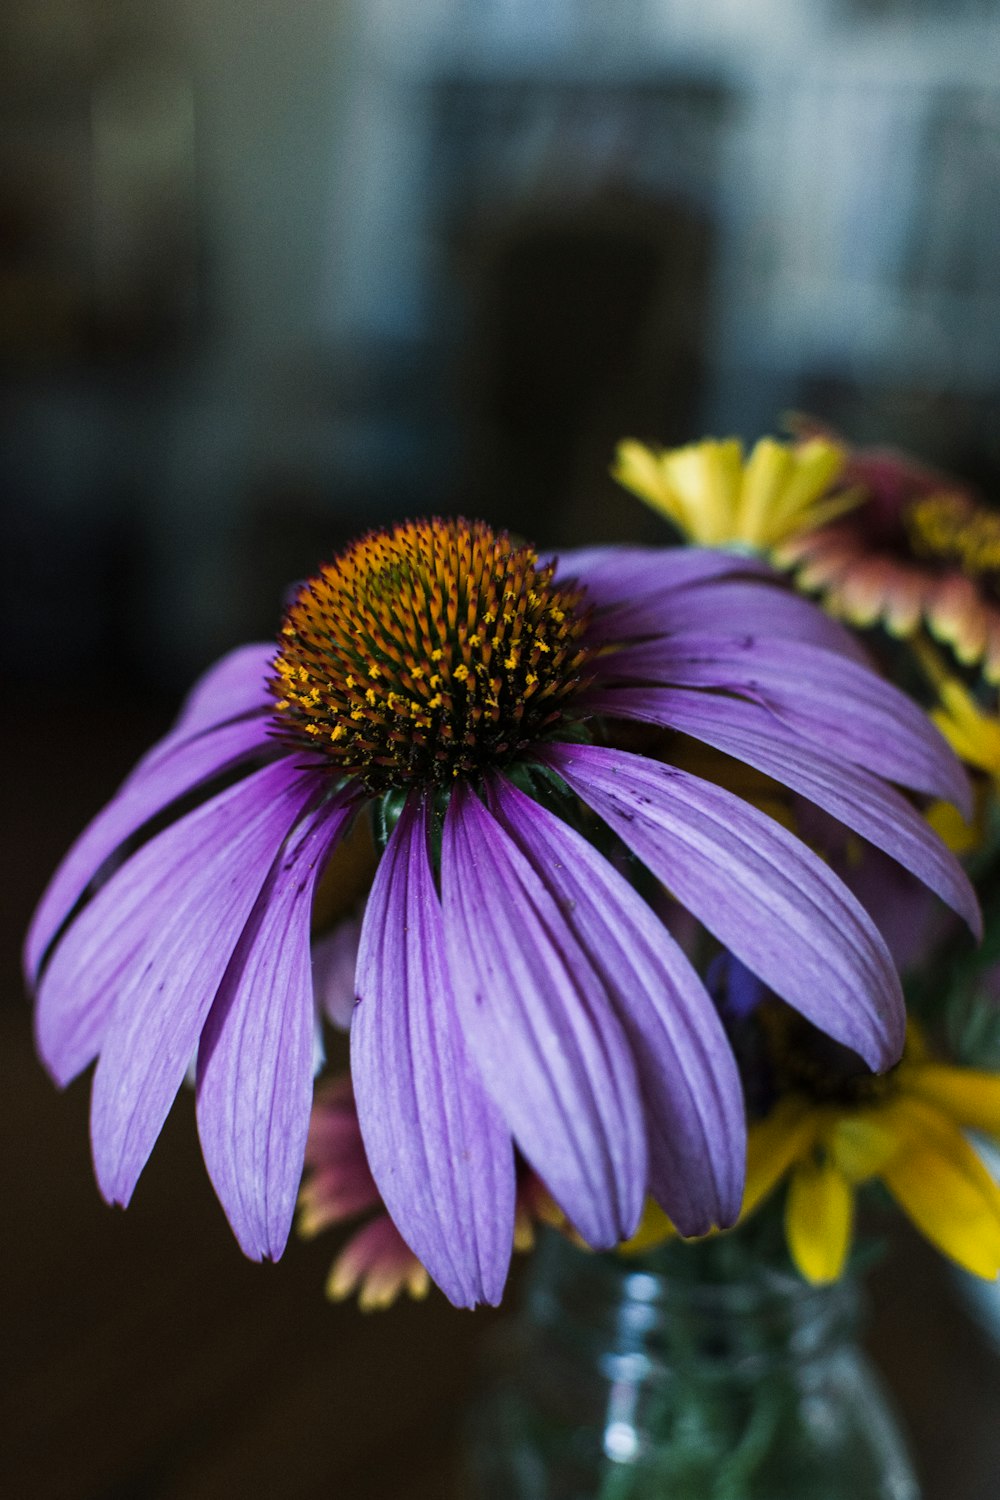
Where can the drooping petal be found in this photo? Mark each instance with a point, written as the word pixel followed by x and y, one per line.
pixel 540 1025
pixel 820 694
pixel 689 1080
pixel 858 800
pixel 136 973
pixel 436 1143
pixel 819 1217
pixel 761 891
pixel 139 799
pixel 759 608
pixel 255 1058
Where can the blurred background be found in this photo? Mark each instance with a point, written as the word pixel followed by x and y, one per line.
pixel 271 273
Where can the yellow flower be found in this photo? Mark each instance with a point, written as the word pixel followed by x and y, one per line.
pixel 905 1130
pixel 973 732
pixel 719 498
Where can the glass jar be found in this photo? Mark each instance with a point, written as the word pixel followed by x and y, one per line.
pixel 697 1373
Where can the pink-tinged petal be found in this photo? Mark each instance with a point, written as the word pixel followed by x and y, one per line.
pixel 956 616
pixel 332 1194
pixel 138 970
pixel 255 1059
pixel 762 892
pixel 437 1146
pixel 824 697
pixel 689 1080
pixel 613 574
pixel 540 1025
pixel 138 800
pixel 335 959
pixel 379 1264
pixel 754 607
pixel 858 800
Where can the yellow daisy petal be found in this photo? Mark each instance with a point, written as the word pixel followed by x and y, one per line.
pixel 952 829
pixel 765 477
pixel 705 479
pixel 774 1145
pixel 969 1097
pixel 943 1186
pixel 638 469
pixel 819 1218
pixel 815 466
pixel 654 1229
pixel 862 1144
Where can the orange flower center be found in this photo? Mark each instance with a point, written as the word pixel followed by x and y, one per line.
pixel 428 651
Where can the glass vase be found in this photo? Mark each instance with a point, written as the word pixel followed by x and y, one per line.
pixel 697 1373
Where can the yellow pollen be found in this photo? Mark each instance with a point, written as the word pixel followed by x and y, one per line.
pixel 951 527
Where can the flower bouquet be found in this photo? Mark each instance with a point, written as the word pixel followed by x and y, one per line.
pixel 609 862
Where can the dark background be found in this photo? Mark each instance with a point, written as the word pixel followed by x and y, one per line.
pixel 273 273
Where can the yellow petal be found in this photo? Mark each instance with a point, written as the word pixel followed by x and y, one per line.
pixel 767 472
pixel 786 1136
pixel 638 469
pixel 969 1097
pixel 818 463
pixel 943 1186
pixel 705 478
pixel 654 1229
pixel 953 830
pixel 864 1142
pixel 819 1217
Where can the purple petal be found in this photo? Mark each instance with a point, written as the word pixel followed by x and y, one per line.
pixel 335 960
pixel 762 893
pixel 233 687
pixel 436 1143
pixel 614 574
pixel 540 1026
pixel 753 607
pixel 824 697
pixel 136 973
pixel 855 798
pixel 689 1081
pixel 255 1058
pixel 145 794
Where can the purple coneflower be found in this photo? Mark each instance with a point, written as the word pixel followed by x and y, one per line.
pixel 513 987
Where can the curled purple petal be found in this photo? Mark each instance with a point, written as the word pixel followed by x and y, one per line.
pixel 614 574
pixel 761 891
pixel 688 1077
pixel 822 695
pixel 436 1143
pixel 759 608
pixel 538 1021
